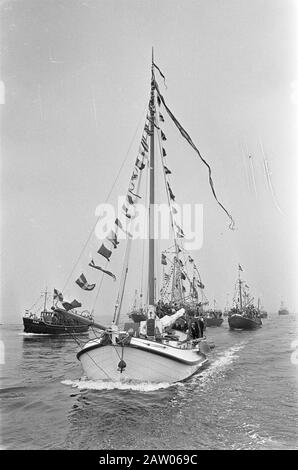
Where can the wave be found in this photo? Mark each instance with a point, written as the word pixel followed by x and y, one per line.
pixel 216 367
pixel 86 384
pixel 257 440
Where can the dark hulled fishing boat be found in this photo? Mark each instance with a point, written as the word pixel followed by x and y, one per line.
pixel 243 321
pixel 213 318
pixel 56 325
pixel 244 316
pixel 57 321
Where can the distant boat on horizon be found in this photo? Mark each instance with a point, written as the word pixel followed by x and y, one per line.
pixel 283 310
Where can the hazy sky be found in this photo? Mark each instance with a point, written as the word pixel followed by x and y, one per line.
pixel 77 80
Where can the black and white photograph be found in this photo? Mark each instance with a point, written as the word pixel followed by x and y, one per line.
pixel 149 229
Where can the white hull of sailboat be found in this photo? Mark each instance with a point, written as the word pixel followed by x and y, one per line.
pixel 146 361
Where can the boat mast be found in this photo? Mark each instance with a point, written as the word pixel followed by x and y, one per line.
pixel 151 279
pixel 45 299
pixel 240 290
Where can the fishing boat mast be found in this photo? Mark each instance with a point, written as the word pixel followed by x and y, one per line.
pixel 240 288
pixel 151 267
pixel 45 299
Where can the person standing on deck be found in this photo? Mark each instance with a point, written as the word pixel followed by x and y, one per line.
pixel 201 325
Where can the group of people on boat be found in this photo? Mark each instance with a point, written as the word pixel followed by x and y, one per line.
pixel 214 314
pixel 196 327
pixel 165 308
pixel 192 322
pixel 249 312
pixel 160 323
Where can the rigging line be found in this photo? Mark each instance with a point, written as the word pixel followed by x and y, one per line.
pixel 244 164
pixel 97 365
pixel 191 143
pixel 269 183
pixel 33 305
pixel 126 262
pixel 167 192
pixel 94 332
pixel 106 200
pixel 74 337
pixel 144 240
pixel 253 174
pixel 176 244
pixel 252 170
pixel 99 288
pixel 116 351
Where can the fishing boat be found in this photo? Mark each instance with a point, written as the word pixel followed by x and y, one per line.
pixel 244 315
pixel 227 307
pixel 213 317
pixel 283 310
pixel 262 312
pixel 56 320
pixel 147 349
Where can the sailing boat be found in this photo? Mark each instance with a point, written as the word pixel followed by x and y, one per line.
pixel 181 282
pixel 244 316
pixel 182 287
pixel 283 310
pixel 147 352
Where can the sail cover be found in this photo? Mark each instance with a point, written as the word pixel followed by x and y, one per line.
pixel 169 320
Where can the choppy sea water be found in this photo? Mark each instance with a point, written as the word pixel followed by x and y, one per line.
pixel 246 398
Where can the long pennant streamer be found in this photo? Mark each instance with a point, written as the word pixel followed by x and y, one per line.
pixel 191 143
